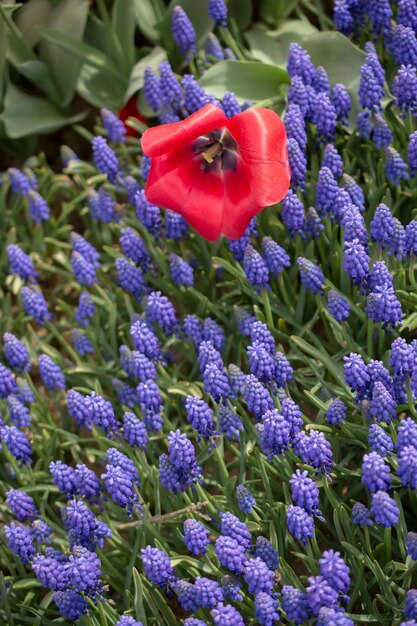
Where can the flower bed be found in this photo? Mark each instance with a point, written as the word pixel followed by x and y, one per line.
pixel 209 406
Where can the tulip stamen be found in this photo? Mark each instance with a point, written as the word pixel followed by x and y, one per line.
pixel 212 151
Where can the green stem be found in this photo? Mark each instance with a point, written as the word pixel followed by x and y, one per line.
pixel 387 543
pixel 367 541
pixel 193 68
pixel 411 271
pixel 73 354
pixel 266 103
pixel 231 43
pixel 411 405
pixel 284 293
pixel 267 307
pixel 370 342
pixel 412 566
pixel 222 466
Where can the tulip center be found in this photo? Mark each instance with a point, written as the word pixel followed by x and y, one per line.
pixel 217 150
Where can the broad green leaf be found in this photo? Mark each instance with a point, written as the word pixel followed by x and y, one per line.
pixel 95 35
pixel 271 46
pixel 148 13
pixel 20 148
pixel 69 17
pixel 123 25
pixel 153 59
pixel 17 50
pixel 3 44
pixel 38 73
pixel 273 11
pixel 26 115
pixel 241 12
pixel 247 79
pixel 26 62
pixel 85 53
pixel 34 15
pixel 99 89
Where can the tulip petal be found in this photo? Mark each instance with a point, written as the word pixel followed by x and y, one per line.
pixel 239 203
pixel 204 205
pixel 262 142
pixel 161 139
pixel 178 182
pixel 157 190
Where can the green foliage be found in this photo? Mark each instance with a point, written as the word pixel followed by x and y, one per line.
pixel 248 80
pixel 25 115
pixel 341 59
pixel 70 47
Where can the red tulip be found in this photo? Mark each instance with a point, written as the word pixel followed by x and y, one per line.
pixel 218 173
pixel 130 109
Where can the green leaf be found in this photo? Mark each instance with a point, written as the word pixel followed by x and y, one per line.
pixel 38 73
pixel 87 54
pixel 138 600
pixel 3 44
pixel 234 270
pixel 25 60
pixel 26 115
pixel 148 14
pixel 241 12
pixel 123 23
pixel 69 17
pixel 17 49
pixel 185 389
pixel 99 89
pixel 96 36
pixel 34 15
pixel 323 357
pixel 273 11
pixel 159 608
pixel 271 46
pixel 153 59
pixel 26 583
pixel 247 79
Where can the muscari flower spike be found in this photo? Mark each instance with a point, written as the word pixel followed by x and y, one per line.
pixel 338 306
pixel 294 603
pixel 300 523
pixel 375 473
pixel 183 32
pixel 16 353
pixel 113 126
pixel 341 102
pixel 20 263
pixel 404 88
pixel 299 64
pixel 105 159
pixel 85 310
pixel 213 48
pixel 51 373
pixel 384 509
pixel 311 275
